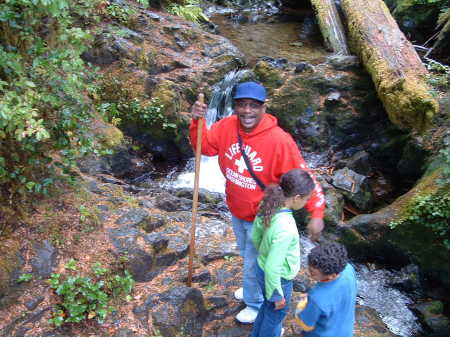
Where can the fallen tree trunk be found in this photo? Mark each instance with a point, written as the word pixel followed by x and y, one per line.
pixel 391 60
pixel 331 26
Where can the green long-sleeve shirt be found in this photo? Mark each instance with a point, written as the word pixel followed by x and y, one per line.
pixel 278 249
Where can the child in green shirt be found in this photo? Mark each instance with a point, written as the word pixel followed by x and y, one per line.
pixel 276 239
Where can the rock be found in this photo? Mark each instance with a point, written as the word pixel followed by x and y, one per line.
pixel 125 332
pixel 171 203
pixel 335 205
pixel 179 310
pixel 34 302
pixel 269 75
pixel 44 263
pixel 214 240
pixel 133 217
pixel 368 323
pixel 10 263
pixel 344 62
pixel 154 221
pixel 140 264
pixel 432 313
pixel 412 162
pixel 354 187
pixel 360 163
pixel 303 66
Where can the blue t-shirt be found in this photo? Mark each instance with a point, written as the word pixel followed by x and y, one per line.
pixel 331 306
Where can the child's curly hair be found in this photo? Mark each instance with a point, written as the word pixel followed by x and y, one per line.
pixel 329 257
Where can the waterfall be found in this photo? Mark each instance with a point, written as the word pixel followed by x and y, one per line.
pixel 221 103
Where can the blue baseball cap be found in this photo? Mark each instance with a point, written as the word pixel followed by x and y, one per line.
pixel 251 90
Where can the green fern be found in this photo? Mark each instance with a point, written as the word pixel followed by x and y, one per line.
pixel 190 11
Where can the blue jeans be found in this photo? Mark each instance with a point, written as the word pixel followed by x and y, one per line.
pixel 268 322
pixel 253 296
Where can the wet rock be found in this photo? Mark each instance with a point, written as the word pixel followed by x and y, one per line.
pixel 354 187
pixel 221 47
pixel 133 217
pixel 34 302
pixel 368 323
pixel 335 205
pixel 125 164
pixel 125 332
pixel 204 196
pixel 343 62
pixel 214 240
pixel 202 276
pixel 432 314
pixel 180 310
pixel 412 161
pixel 170 203
pixel 409 280
pixel 303 66
pixel 158 241
pixel 44 263
pixel 215 302
pixel 360 163
pixel 154 221
pixel 140 264
pixel 124 238
pixel 177 249
pixel 269 75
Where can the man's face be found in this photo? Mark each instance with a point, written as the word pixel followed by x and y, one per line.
pixel 249 112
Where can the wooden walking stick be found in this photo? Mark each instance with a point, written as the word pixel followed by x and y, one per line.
pixel 198 152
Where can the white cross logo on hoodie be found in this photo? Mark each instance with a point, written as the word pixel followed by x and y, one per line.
pixel 241 164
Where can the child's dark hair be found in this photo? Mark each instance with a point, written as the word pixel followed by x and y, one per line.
pixel 293 182
pixel 328 257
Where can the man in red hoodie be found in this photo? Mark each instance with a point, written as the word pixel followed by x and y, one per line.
pixel 253 151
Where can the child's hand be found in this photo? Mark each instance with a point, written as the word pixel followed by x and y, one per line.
pixel 280 304
pixel 315 227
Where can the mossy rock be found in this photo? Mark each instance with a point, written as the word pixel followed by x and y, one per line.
pixel 292 101
pixel 270 76
pixel 107 135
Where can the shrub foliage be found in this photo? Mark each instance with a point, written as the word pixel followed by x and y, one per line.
pixel 44 115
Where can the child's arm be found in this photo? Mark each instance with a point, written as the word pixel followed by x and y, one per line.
pixel 307 314
pixel 274 262
pixel 257 232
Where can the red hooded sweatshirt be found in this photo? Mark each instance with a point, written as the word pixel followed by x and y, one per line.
pixel 271 152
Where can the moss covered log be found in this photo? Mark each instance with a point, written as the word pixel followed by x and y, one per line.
pixel 331 26
pixel 391 60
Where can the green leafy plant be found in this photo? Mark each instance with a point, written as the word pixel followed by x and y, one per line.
pixel 190 11
pixel 122 13
pixel 431 211
pixel 71 265
pixel 82 299
pixel 134 110
pixel 88 219
pixel 25 278
pixel 87 298
pixel 145 3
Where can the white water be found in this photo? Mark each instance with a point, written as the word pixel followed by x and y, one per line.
pixel 211 177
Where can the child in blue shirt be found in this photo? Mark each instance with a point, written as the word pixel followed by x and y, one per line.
pixel 329 309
